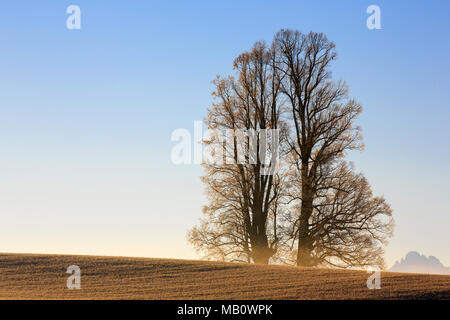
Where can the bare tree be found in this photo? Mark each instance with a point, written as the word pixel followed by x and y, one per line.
pixel 241 217
pixel 323 117
pixel 314 201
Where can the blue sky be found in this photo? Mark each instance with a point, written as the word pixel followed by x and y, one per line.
pixel 86 115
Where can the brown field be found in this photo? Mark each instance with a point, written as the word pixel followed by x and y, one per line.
pixel 26 276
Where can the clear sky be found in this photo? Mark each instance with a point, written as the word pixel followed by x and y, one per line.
pixel 86 115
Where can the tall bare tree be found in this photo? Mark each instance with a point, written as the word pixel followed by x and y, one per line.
pixel 323 117
pixel 241 217
pixel 315 200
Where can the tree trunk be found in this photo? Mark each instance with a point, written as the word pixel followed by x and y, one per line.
pixel 262 253
pixel 304 243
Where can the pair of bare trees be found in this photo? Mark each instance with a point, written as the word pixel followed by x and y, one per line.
pixel 314 210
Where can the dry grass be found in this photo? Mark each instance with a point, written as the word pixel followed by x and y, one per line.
pixel 26 276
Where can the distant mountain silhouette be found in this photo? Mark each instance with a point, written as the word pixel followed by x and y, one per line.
pixel 414 262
